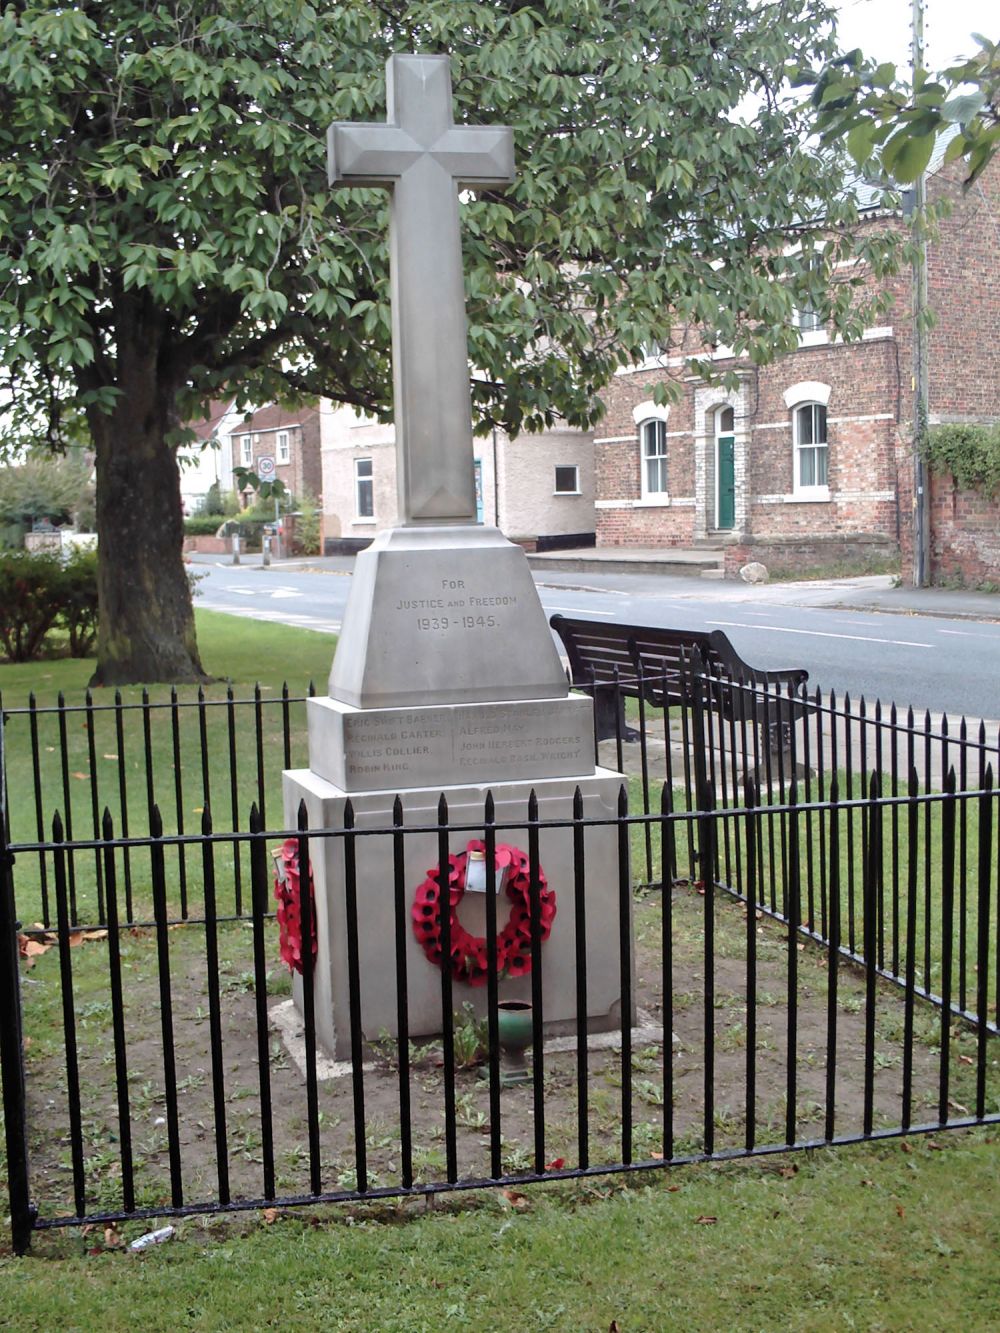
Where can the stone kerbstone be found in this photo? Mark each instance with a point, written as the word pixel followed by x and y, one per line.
pixel 444 615
pixel 385 749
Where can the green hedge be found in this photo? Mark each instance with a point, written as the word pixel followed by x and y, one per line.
pixel 202 525
pixel 39 593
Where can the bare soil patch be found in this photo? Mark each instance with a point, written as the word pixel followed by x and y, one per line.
pixel 751 1050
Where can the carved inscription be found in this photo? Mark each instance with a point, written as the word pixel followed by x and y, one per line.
pixel 457 610
pixel 399 746
pixel 378 743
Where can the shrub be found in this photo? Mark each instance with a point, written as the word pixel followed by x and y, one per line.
pixel 31 594
pixel 307 526
pixel 212 501
pixel 78 615
pixel 41 487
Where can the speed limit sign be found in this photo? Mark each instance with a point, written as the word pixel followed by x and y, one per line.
pixel 265 467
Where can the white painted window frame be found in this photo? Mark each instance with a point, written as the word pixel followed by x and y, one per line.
pixel 643 414
pixel 566 467
pixel 283 450
pixel 364 480
pixel 808 393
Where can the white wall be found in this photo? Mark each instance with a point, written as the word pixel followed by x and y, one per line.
pixel 525 477
pixel 201 466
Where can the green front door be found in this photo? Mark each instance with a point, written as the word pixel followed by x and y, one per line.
pixel 727 483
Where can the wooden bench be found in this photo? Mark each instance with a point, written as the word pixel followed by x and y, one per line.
pixel 667 667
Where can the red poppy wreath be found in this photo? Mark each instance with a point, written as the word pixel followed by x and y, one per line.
pixel 288 892
pixel 469 962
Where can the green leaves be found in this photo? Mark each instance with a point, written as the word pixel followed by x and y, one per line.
pixel 905 156
pixel 896 127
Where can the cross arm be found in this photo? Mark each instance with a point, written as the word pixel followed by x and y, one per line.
pixel 378 154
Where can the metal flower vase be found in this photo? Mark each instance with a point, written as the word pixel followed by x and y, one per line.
pixel 515 1029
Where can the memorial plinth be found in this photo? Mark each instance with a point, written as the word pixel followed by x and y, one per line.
pixel 446 680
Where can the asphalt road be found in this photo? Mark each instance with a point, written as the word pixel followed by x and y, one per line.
pixel 930 662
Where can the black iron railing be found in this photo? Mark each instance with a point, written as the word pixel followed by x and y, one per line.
pixel 804 944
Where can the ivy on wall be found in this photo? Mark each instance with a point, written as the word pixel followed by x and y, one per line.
pixel 970 453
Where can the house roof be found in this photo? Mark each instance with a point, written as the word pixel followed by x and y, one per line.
pixel 207 427
pixel 275 417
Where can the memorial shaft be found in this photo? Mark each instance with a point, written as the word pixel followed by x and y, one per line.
pixel 423 158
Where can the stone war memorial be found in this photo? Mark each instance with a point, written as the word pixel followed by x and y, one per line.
pixel 446 679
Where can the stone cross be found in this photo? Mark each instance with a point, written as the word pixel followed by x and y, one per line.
pixel 424 158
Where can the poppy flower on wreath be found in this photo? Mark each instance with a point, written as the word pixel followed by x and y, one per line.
pixel 288 894
pixel 468 953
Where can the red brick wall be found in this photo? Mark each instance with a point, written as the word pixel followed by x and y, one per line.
pixel 963 285
pixel 963 264
pixel 965 534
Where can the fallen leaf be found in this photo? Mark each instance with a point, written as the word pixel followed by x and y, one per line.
pixel 269 1215
pixel 556 1164
pixel 515 1198
pixel 613 1326
pixel 75 938
pixel 673 1189
pixel 656 1157
pixel 966 1059
pixel 111 1238
pixel 935 1146
pixel 905 1147
pixel 789 1171
pixel 30 949
pixel 110 756
pixel 900 1210
pixel 705 1221
pixel 957 1106
pixel 95 934
pixel 868 1182
pixel 82 776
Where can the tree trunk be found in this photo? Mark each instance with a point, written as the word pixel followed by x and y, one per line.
pixel 146 621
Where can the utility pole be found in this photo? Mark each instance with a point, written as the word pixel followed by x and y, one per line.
pixel 918 222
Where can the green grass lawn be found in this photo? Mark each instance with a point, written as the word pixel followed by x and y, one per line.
pixel 892 1237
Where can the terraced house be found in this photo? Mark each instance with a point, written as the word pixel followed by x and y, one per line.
pixel 810 460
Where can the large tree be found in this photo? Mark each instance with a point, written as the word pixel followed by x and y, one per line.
pixel 166 233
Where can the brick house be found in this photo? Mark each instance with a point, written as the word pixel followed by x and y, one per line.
pixel 538 489
pixel 291 436
pixel 809 460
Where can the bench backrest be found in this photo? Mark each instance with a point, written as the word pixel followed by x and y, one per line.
pixel 605 652
pixel 595 651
